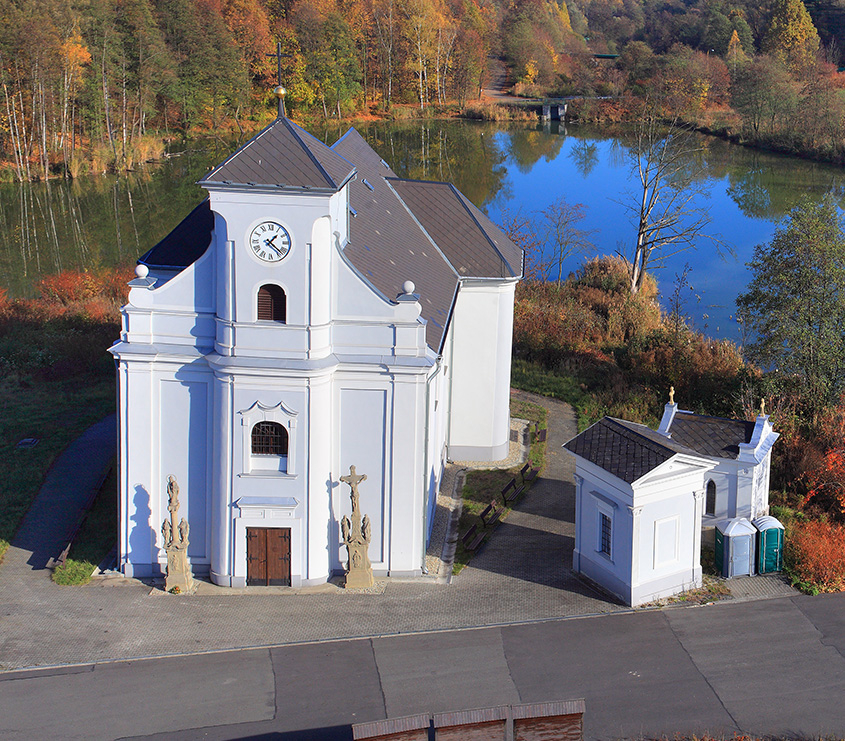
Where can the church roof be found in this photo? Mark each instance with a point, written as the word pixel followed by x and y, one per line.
pixel 400 230
pixel 283 155
pixel 624 449
pixel 716 437
pixel 185 244
pixel 456 226
pixel 386 244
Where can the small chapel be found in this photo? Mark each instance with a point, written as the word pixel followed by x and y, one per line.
pixel 315 312
pixel 645 499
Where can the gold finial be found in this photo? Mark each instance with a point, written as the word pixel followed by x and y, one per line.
pixel 671 394
pixel 763 407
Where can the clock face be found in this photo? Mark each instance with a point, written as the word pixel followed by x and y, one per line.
pixel 269 241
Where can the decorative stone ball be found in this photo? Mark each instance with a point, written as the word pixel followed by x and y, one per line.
pixel 408 287
pixel 142 271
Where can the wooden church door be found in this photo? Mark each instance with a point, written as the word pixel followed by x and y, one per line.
pixel 268 556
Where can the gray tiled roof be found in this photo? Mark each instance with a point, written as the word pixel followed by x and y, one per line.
pixel 625 449
pixel 385 244
pixel 185 244
pixel 712 436
pixel 402 230
pixel 283 155
pixel 451 221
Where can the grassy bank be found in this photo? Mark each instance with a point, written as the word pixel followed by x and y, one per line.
pixel 57 378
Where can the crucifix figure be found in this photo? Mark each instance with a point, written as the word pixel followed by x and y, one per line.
pixel 175 541
pixel 356 537
pixel 279 91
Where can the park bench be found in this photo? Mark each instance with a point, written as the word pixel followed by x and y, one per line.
pixel 539 435
pixel 472 538
pixel 491 514
pixel 511 491
pixel 528 473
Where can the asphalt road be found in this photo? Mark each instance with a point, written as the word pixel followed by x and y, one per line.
pixel 774 667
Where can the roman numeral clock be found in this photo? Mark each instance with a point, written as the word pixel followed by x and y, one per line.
pixel 269 241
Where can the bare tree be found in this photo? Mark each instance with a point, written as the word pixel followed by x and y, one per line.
pixel 563 238
pixel 667 218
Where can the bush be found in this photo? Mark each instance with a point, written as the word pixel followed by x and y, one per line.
pixel 815 556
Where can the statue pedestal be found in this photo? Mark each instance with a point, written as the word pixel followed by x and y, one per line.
pixel 178 572
pixel 359 573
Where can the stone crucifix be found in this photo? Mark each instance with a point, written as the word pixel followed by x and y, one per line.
pixel 174 538
pixel 356 537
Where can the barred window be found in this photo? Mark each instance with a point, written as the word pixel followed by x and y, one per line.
pixel 272 304
pixel 710 503
pixel 606 533
pixel 269 438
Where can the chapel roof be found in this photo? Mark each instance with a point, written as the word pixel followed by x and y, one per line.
pixel 624 449
pixel 283 155
pixel 716 437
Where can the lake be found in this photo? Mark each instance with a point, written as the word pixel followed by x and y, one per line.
pixel 506 170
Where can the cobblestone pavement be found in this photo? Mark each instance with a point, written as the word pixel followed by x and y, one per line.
pixel 521 575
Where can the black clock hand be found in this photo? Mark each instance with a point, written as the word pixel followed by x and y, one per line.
pixel 269 243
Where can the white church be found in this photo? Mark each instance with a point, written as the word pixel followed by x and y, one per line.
pixel 314 313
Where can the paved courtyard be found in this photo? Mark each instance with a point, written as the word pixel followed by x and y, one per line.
pixel 522 575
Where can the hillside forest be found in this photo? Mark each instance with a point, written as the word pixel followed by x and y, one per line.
pixel 93 85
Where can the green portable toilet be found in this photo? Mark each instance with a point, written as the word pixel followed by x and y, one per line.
pixel 735 547
pixel 769 544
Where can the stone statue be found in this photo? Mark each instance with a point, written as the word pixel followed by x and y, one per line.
pixel 356 538
pixel 175 541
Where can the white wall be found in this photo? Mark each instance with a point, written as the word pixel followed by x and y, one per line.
pixel 480 337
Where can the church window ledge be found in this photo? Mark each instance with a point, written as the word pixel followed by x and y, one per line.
pixel 268 474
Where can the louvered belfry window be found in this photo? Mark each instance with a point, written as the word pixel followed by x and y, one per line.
pixel 272 304
pixel 269 438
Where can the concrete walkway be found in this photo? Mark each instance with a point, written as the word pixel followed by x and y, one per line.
pixel 521 575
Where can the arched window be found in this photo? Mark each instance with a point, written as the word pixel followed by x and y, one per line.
pixel 710 502
pixel 269 438
pixel 272 304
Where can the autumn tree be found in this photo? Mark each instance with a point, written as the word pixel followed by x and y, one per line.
pixel 764 94
pixel 791 37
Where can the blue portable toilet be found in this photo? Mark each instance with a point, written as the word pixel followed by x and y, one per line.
pixel 769 544
pixel 735 547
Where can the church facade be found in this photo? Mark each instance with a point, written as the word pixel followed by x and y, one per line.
pixel 316 312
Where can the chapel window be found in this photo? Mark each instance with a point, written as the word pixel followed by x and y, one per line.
pixel 269 438
pixel 272 304
pixel 605 533
pixel 710 502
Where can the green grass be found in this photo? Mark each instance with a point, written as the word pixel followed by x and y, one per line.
pixel 94 539
pixel 481 487
pixel 54 411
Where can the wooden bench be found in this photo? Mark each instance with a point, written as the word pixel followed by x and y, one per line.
pixel 491 514
pixel 511 491
pixel 540 436
pixel 528 473
pixel 472 538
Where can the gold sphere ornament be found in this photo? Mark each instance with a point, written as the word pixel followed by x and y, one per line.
pixel 279 92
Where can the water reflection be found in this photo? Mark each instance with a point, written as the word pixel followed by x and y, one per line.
pixel 106 220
